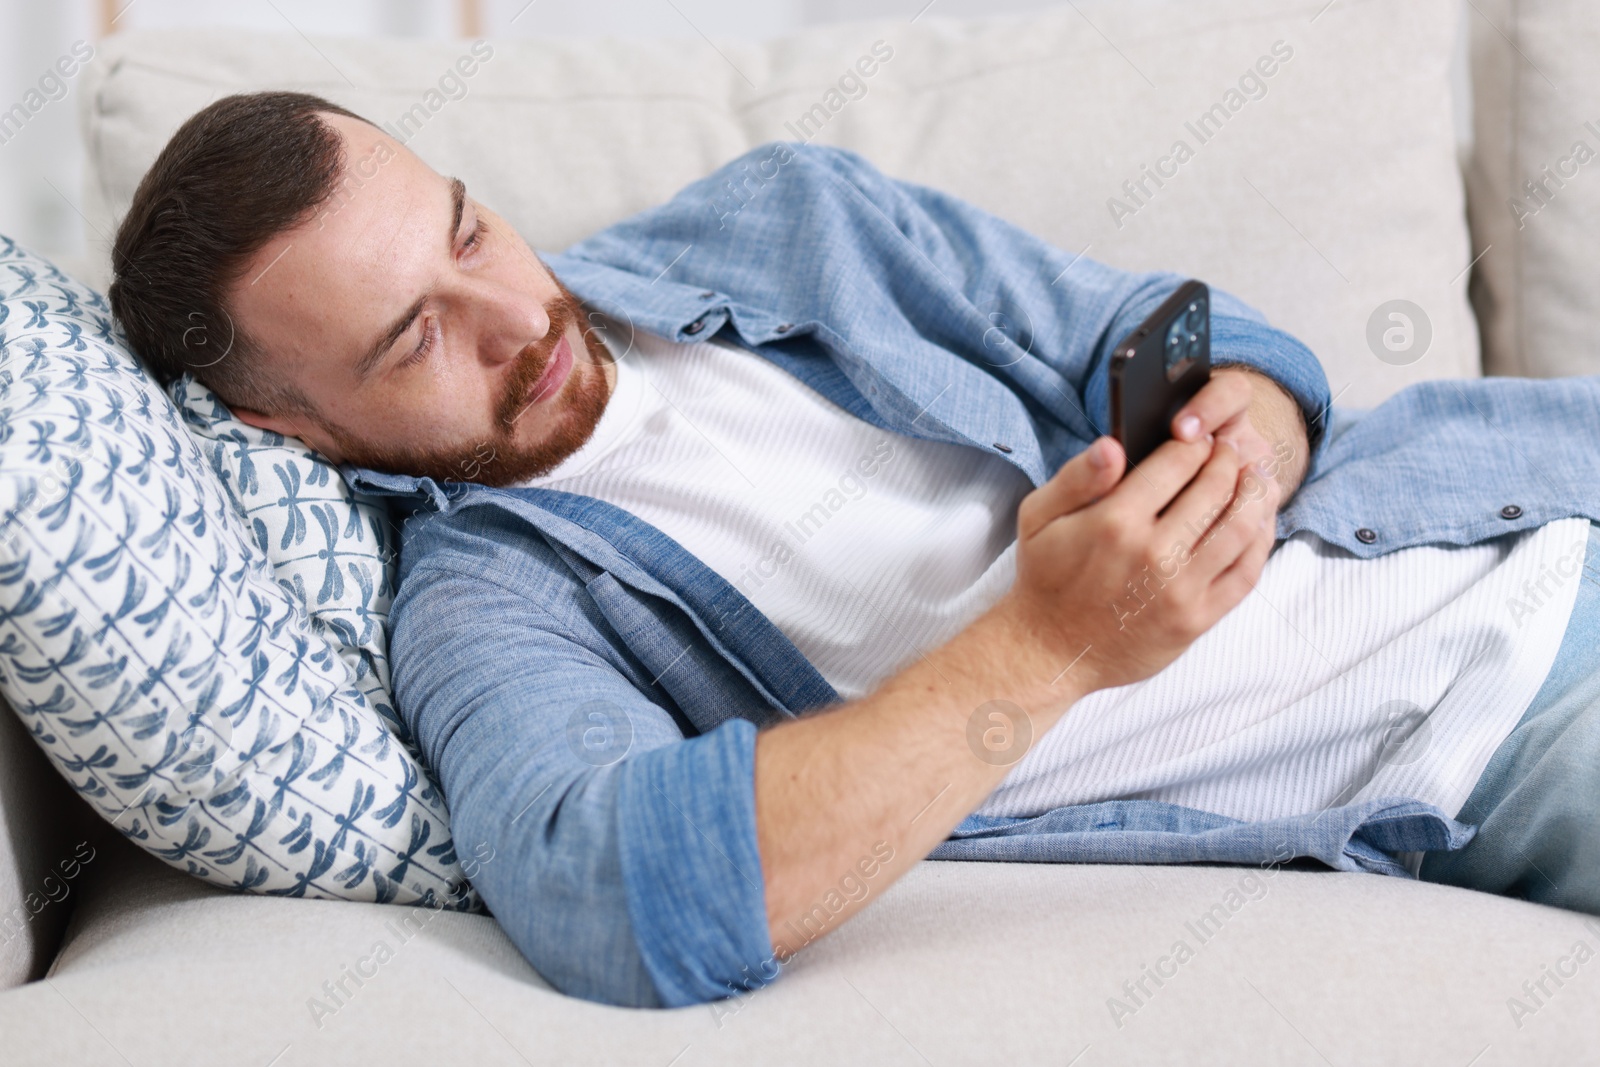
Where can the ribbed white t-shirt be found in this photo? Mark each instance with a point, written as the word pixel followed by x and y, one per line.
pixel 865 548
pixel 1338 679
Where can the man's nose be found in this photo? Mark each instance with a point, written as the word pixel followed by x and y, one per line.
pixel 511 322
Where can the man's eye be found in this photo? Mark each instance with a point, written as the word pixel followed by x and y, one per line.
pixel 475 238
pixel 430 334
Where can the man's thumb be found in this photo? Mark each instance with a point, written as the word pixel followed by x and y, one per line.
pixel 1082 480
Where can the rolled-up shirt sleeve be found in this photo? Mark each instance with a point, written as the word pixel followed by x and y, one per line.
pixel 690 866
pixel 1078 309
pixel 622 856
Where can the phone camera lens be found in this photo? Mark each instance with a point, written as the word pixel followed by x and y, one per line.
pixel 1177 347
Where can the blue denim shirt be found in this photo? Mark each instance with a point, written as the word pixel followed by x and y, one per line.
pixel 589 692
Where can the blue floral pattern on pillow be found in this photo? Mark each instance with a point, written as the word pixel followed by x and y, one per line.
pixel 329 547
pixel 204 665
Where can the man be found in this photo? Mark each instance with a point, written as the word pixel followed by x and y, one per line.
pixel 769 449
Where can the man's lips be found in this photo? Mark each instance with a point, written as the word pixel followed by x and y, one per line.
pixel 555 375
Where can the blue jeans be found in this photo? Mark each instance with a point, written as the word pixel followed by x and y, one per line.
pixel 1537 803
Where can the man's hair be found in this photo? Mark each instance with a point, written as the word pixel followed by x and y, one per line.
pixel 235 175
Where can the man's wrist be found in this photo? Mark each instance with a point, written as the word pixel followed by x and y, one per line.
pixel 1278 418
pixel 1044 677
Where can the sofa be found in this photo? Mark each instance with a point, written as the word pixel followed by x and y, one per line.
pixel 1321 178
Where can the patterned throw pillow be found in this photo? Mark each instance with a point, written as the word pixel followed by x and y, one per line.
pixel 185 689
pixel 328 547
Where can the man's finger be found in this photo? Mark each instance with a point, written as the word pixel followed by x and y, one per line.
pixel 1203 501
pixel 1081 481
pixel 1238 580
pixel 1224 397
pixel 1249 514
pixel 1164 473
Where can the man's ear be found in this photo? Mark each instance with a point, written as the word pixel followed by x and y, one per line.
pixel 292 426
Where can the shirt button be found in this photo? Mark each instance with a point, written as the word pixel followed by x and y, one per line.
pixel 1511 511
pixel 694 327
pixel 998 447
pixel 708 294
pixel 1366 536
pixel 784 327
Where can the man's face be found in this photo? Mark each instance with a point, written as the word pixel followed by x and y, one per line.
pixel 427 335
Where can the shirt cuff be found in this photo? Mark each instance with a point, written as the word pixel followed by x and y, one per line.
pixel 1279 356
pixel 691 866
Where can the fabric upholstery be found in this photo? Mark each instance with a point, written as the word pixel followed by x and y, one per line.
pixel 1534 184
pixel 959 963
pixel 1318 194
pixel 40 824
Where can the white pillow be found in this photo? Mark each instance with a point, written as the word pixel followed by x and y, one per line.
pixel 178 684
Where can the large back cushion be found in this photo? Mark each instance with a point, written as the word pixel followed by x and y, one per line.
pixel 1299 154
pixel 1535 181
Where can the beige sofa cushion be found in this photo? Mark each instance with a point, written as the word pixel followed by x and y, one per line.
pixel 959 963
pixel 1320 193
pixel 41 825
pixel 1534 178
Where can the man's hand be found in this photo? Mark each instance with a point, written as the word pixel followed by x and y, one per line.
pixel 1125 573
pixel 1257 417
pixel 875 784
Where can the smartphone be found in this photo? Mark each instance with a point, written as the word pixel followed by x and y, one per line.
pixel 1158 367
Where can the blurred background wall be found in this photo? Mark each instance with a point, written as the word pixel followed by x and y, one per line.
pixel 41 164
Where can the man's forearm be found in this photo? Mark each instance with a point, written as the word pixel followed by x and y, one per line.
pixel 895 768
pixel 886 778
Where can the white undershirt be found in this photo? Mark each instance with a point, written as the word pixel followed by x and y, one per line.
pixel 863 547
pixel 1307 694
pixel 867 548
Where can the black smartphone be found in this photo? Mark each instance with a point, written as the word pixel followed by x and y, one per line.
pixel 1158 367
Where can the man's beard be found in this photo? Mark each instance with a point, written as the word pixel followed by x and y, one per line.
pixel 498 459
